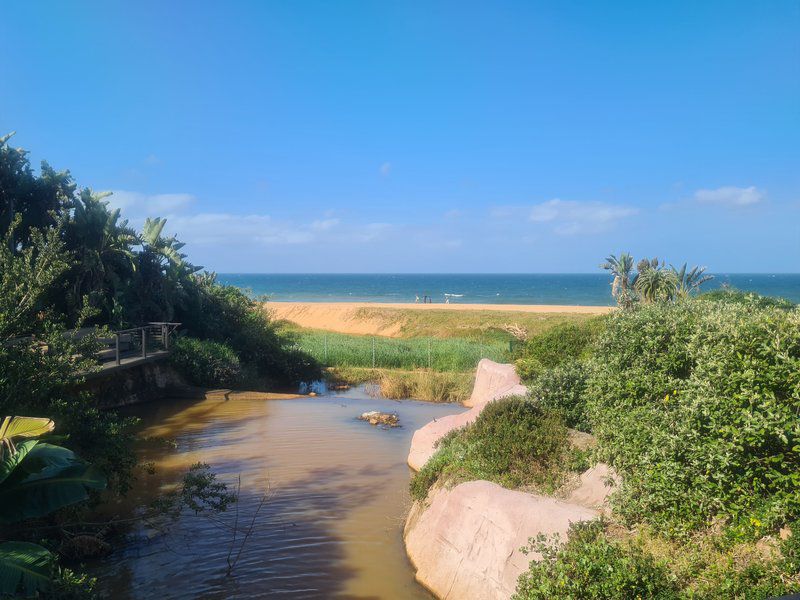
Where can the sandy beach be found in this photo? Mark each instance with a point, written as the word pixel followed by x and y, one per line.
pixel 387 319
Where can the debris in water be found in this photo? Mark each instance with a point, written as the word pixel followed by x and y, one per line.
pixel 375 417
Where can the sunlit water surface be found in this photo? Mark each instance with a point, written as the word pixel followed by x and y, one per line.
pixel 331 526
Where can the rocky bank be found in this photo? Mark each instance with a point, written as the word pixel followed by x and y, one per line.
pixel 465 542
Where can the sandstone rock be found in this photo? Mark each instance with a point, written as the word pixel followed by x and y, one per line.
pixel 595 487
pixel 423 443
pixel 375 417
pixel 494 380
pixel 465 542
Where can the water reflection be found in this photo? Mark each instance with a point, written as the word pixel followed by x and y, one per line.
pixel 337 497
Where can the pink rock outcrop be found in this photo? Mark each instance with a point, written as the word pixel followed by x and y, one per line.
pixel 492 381
pixel 595 487
pixel 465 542
pixel 423 443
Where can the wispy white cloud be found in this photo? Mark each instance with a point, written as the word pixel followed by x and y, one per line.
pixel 452 215
pixel 385 169
pixel 570 217
pixel 136 204
pixel 731 196
pixel 370 231
pixel 200 228
pixel 324 224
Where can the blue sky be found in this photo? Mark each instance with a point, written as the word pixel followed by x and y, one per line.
pixel 424 136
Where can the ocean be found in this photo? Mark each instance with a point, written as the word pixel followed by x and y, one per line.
pixel 572 289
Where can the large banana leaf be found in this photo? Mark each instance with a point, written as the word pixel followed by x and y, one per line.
pixel 24 565
pixel 10 460
pixel 26 427
pixel 49 478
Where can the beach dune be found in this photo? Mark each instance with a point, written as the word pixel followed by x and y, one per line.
pixel 387 319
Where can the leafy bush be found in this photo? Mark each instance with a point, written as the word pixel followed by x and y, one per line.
pixel 206 363
pixel 696 404
pixel 594 563
pixel 227 315
pixel 590 565
pixel 565 342
pixel 753 299
pixel 513 442
pixel 563 389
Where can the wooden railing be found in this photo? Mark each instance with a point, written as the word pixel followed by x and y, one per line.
pixel 138 342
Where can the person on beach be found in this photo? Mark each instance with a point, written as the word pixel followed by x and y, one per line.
pixel 416 301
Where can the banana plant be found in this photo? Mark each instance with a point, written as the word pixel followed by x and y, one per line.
pixel 36 479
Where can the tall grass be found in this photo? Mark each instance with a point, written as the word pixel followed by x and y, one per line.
pixel 451 354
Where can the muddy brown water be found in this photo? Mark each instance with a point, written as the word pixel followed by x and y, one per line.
pixel 337 496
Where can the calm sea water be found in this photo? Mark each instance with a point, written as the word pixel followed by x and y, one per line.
pixel 575 289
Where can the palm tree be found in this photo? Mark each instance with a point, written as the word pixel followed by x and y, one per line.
pixel 656 284
pixel 690 281
pixel 621 268
pixel 104 247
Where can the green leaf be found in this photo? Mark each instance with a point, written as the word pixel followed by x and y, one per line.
pixel 25 427
pixel 61 481
pixel 24 565
pixel 10 461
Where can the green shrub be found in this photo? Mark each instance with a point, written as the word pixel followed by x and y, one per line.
pixel 513 442
pixel 227 315
pixel 590 565
pixel 565 342
pixel 563 389
pixel 206 363
pixel 593 563
pixel 753 299
pixel 696 405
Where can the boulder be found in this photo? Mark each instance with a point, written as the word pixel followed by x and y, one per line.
pixel 494 380
pixel 465 542
pixel 423 443
pixel 596 485
pixel 375 417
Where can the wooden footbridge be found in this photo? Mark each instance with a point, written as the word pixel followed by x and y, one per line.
pixel 130 347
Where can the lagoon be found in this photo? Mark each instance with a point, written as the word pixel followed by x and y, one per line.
pixel 337 497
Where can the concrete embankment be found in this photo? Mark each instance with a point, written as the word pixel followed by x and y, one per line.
pixel 464 542
pixel 144 381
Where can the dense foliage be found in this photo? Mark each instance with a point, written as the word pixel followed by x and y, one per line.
pixel 696 405
pixel 512 442
pixel 206 363
pixel 590 565
pixel 732 296
pixel 562 343
pixel 68 261
pixel 67 255
pixel 563 389
pixel 596 562
pixel 36 479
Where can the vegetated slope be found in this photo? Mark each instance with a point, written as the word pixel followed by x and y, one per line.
pixel 419 320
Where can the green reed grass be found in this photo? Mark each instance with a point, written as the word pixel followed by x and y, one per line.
pixel 450 354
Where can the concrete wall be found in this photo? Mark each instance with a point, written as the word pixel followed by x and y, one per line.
pixel 141 382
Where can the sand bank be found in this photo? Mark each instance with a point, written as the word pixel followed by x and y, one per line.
pixel 388 319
